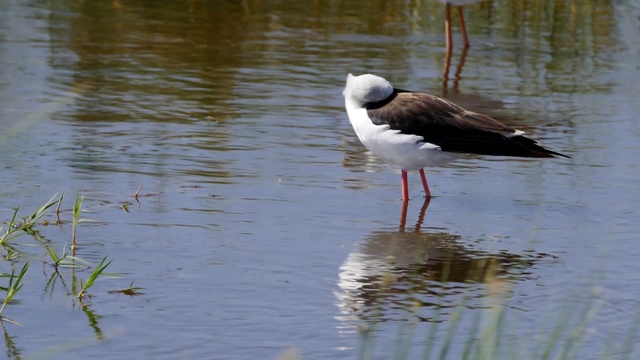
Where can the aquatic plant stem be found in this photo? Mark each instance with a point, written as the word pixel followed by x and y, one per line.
pixel 77 205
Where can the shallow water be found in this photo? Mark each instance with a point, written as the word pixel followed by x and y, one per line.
pixel 263 224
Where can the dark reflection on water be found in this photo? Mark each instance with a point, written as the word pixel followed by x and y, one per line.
pixel 400 275
pixel 176 62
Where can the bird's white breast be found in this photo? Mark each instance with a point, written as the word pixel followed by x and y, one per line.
pixel 409 152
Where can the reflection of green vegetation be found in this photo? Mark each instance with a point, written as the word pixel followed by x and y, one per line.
pixel 93 321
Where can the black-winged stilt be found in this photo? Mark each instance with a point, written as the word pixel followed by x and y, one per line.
pixel 413 130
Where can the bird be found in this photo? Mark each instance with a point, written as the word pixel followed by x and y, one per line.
pixel 414 130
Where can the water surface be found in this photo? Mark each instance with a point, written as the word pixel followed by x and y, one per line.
pixel 263 224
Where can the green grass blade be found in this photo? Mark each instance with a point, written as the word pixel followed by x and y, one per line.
pixel 95 274
pixel 53 253
pixel 39 213
pixel 11 228
pixel 77 206
pixel 15 284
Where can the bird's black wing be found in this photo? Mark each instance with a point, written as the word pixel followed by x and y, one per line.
pixel 451 127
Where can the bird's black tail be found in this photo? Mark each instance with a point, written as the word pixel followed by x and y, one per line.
pixel 536 150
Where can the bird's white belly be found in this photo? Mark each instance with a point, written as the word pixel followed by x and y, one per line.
pixel 409 152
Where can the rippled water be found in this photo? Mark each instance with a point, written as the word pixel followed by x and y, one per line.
pixel 263 224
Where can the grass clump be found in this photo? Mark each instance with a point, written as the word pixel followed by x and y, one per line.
pixel 22 253
pixel 16 228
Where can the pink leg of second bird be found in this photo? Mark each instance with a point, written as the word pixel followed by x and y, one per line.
pixel 447 27
pixel 463 27
pixel 425 185
pixel 405 186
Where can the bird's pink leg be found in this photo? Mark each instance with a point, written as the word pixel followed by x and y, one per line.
pixel 424 184
pixel 447 27
pixel 405 186
pixel 463 27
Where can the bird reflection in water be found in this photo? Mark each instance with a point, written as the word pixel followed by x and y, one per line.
pixel 403 214
pixel 457 75
pixel 426 274
pixel 449 42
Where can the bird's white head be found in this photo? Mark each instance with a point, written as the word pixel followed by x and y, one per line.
pixel 366 88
